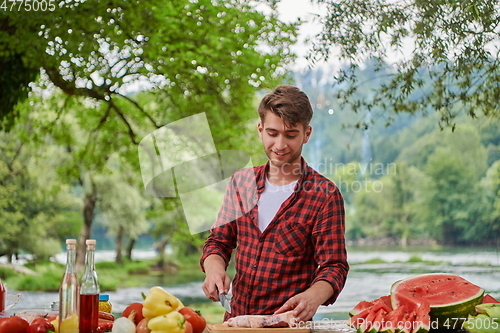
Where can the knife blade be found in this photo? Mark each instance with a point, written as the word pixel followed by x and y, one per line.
pixel 224 302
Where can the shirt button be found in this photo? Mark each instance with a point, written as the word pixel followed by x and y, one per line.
pixel 254 266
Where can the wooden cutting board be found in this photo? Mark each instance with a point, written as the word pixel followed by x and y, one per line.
pixel 331 326
pixel 218 328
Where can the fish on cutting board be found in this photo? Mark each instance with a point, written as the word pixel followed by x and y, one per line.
pixel 285 319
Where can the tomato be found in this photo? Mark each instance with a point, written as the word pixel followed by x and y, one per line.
pixel 40 325
pixel 14 324
pixel 135 310
pixel 195 318
pixel 142 327
pixel 189 327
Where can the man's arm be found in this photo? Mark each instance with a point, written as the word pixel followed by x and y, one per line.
pixel 217 281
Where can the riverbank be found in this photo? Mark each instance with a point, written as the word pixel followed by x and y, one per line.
pixel 373 271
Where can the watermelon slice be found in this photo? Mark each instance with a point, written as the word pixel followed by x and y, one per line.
pixel 449 296
pixel 420 309
pixel 391 320
pixel 369 319
pixel 377 322
pixel 405 325
pixel 363 305
pixel 358 321
pixel 422 323
pixel 487 298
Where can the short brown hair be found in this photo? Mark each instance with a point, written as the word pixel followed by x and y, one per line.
pixel 289 103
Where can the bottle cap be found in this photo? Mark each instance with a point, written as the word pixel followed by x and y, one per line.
pixel 90 242
pixel 70 241
pixel 103 297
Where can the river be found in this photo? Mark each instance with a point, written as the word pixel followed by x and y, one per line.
pixel 366 281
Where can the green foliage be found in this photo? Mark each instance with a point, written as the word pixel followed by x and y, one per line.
pixel 6 273
pixel 14 79
pixel 47 280
pixel 130 69
pixel 375 261
pixel 138 267
pixel 31 210
pixel 436 185
pixel 443 55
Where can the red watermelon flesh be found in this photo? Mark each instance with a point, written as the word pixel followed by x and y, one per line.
pixel 448 296
pixel 377 323
pixel 359 319
pixel 436 289
pixel 422 321
pixel 420 310
pixel 405 325
pixel 391 320
pixel 367 323
pixel 363 305
pixel 365 319
pixel 487 298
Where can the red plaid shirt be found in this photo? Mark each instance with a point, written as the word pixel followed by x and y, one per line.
pixel 304 243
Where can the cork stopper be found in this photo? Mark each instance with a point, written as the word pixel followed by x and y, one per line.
pixel 90 244
pixel 71 244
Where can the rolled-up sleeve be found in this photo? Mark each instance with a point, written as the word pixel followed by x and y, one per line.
pixel 329 242
pixel 222 238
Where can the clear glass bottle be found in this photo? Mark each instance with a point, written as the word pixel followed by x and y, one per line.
pixel 69 292
pixel 89 292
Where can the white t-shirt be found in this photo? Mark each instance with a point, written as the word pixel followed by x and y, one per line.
pixel 270 202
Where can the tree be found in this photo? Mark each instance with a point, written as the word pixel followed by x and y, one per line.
pixel 125 69
pixel 443 53
pixel 36 212
pixel 489 228
pixel 108 49
pixel 449 196
pixel 123 205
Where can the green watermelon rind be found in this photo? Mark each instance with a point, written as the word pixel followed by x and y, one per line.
pixel 454 314
pixel 441 315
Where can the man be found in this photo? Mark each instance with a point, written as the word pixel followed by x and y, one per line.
pixel 285 219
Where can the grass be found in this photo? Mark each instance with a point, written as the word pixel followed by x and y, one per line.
pixel 413 259
pixel 111 275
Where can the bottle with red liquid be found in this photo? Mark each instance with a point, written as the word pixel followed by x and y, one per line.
pixel 3 296
pixel 69 291
pixel 89 293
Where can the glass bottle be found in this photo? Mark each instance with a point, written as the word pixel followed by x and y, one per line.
pixel 69 292
pixel 104 303
pixel 3 295
pixel 89 292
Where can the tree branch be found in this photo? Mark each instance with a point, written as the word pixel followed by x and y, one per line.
pixel 69 87
pixel 147 115
pixel 130 131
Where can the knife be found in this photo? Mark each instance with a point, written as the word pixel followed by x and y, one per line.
pixel 225 302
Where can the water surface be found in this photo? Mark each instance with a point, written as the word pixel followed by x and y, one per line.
pixel 366 281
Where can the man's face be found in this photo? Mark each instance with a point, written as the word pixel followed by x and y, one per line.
pixel 282 144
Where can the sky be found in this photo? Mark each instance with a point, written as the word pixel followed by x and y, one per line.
pixel 289 11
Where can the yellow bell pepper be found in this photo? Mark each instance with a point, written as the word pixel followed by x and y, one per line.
pixel 172 322
pixel 158 302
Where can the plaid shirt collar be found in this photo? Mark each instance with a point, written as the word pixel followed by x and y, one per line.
pixel 260 176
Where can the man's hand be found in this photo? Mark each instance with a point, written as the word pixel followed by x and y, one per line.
pixel 216 279
pixel 305 304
